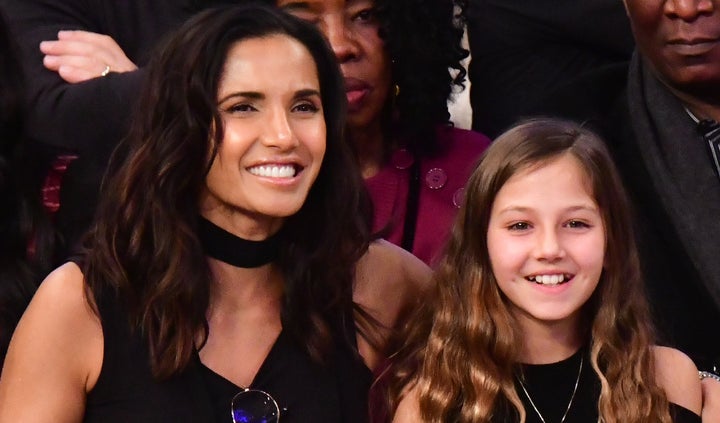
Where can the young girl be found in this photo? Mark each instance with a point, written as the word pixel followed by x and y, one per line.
pixel 540 312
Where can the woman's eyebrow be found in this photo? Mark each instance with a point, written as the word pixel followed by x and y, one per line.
pixel 254 95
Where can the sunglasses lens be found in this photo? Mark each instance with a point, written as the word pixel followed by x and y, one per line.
pixel 254 406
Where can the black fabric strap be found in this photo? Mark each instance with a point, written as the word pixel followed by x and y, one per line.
pixel 226 247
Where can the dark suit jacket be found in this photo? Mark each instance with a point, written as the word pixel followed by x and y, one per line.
pixel 524 50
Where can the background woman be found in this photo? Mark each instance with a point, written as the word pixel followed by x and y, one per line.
pixel 401 60
pixel 541 314
pixel 228 256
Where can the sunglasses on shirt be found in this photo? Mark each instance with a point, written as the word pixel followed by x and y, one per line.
pixel 254 406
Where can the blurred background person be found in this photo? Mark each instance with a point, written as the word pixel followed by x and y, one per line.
pixel 523 51
pixel 83 65
pixel 26 236
pixel 401 60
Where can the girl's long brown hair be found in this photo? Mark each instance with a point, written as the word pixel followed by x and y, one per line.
pixel 143 247
pixel 462 352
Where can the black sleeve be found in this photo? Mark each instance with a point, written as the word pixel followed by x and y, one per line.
pixel 86 118
pixel 90 118
pixel 522 50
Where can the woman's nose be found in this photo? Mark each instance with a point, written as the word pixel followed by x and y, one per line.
pixel 342 39
pixel 278 132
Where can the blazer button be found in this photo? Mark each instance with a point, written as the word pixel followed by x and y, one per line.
pixel 402 159
pixel 435 178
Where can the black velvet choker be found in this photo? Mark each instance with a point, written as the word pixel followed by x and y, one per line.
pixel 226 247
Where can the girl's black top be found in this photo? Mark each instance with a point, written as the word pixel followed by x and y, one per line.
pixel 551 385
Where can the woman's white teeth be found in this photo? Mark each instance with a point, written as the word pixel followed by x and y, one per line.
pixel 273 171
pixel 548 279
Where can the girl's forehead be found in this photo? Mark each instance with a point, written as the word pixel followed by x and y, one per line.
pixel 556 179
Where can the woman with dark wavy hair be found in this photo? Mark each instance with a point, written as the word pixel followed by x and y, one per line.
pixel 228 276
pixel 540 313
pixel 401 60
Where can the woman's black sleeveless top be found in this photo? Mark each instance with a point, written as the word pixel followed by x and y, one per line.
pixel 306 391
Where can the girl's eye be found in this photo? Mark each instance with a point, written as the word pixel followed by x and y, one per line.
pixel 577 224
pixel 519 226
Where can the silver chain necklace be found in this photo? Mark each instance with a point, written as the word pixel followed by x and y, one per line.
pixel 572 397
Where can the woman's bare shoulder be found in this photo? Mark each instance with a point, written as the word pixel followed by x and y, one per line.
pixel 389 283
pixel 389 278
pixel 63 294
pixel 678 376
pixel 55 354
pixel 387 261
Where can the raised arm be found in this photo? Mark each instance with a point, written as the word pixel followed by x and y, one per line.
pixel 55 354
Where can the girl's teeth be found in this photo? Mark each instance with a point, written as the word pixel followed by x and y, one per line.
pixel 273 171
pixel 548 279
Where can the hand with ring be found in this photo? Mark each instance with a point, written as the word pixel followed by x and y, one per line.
pixel 81 55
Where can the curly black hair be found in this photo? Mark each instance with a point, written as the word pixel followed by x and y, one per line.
pixel 424 41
